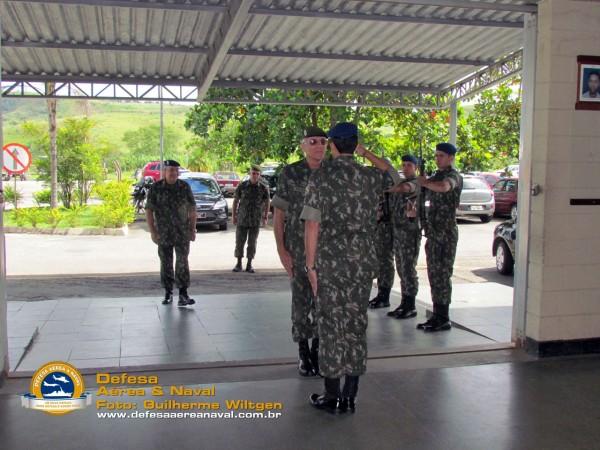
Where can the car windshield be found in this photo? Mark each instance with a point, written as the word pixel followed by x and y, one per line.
pixel 203 186
pixel 474 183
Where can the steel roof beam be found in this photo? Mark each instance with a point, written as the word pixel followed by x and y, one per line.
pixel 385 18
pixel 143 4
pixel 286 85
pixel 107 47
pixel 527 7
pixel 354 57
pixel 228 31
pixel 243 52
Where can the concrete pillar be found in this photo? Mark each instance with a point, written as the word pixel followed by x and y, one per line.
pixel 563 282
pixel 453 122
pixel 525 157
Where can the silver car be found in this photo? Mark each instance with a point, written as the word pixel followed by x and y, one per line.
pixel 476 199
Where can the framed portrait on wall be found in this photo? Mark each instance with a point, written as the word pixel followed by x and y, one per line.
pixel 588 82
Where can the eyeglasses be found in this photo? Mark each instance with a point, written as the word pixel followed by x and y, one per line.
pixel 313 141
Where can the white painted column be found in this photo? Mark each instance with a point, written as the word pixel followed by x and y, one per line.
pixel 453 122
pixel 524 194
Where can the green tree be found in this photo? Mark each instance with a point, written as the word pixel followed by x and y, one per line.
pixel 79 159
pixel 143 145
pixel 494 126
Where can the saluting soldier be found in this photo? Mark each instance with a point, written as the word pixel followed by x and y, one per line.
pixel 171 217
pixel 250 207
pixel 407 236
pixel 340 213
pixel 442 190
pixel 289 235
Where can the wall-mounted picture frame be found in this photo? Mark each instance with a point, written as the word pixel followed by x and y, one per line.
pixel 588 82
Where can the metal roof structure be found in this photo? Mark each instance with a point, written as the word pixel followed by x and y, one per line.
pixel 399 53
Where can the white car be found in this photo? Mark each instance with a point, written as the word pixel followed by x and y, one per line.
pixel 476 199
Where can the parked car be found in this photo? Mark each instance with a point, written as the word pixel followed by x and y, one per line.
pixel 211 206
pixel 476 199
pixel 228 181
pixel 506 191
pixel 503 247
pixel 152 169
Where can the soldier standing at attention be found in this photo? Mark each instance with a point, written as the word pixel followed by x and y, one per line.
pixel 250 204
pixel 443 190
pixel 171 218
pixel 340 213
pixel 385 251
pixel 407 237
pixel 289 235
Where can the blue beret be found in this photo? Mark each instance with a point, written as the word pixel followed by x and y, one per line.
pixel 446 148
pixel 343 130
pixel 410 158
pixel 171 163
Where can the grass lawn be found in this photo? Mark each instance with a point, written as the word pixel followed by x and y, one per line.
pixel 84 218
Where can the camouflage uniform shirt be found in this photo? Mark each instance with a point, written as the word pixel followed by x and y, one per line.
pixel 171 204
pixel 347 213
pixel 401 203
pixel 252 198
pixel 291 188
pixel 441 212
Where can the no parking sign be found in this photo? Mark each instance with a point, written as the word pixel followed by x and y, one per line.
pixel 17 158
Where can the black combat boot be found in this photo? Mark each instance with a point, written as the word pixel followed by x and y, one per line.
pixel 314 355
pixel 399 309
pixel 238 266
pixel 305 367
pixel 441 320
pixel 168 297
pixel 330 399
pixel 409 311
pixel 429 321
pixel 184 299
pixel 249 267
pixel 382 300
pixel 348 401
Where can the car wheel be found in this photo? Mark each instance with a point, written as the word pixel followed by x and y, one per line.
pixel 513 212
pixel 223 226
pixel 485 219
pixel 504 259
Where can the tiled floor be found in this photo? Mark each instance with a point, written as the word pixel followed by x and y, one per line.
pixel 111 332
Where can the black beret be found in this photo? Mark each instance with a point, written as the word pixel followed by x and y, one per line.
pixel 171 163
pixel 313 132
pixel 410 158
pixel 446 147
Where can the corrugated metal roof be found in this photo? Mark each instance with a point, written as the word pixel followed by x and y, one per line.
pixel 178 40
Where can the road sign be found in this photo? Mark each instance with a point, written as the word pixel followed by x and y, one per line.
pixel 17 158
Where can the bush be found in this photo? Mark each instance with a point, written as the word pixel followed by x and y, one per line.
pixel 42 197
pixel 53 216
pixel 71 215
pixel 20 217
pixel 116 209
pixel 12 196
pixel 34 216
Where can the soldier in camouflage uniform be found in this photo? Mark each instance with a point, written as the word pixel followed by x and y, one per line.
pixel 340 211
pixel 443 190
pixel 250 204
pixel 171 217
pixel 289 235
pixel 407 237
pixel 385 250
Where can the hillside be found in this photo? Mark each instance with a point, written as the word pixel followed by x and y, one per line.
pixel 112 119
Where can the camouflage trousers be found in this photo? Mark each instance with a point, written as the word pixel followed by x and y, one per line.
pixel 341 306
pixel 407 243
pixel 181 276
pixel 440 264
pixel 241 234
pixel 304 324
pixel 385 255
